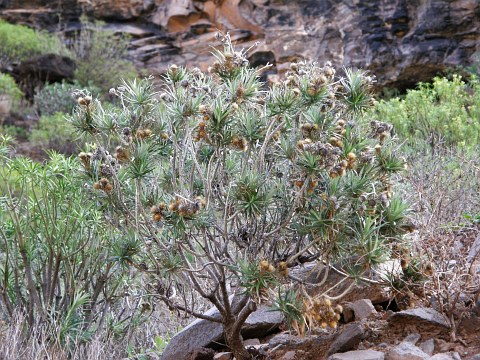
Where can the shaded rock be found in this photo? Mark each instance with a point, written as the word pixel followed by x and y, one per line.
pixel 201 333
pixel 349 338
pixel 406 351
pixel 359 354
pixel 41 69
pixel 428 346
pixel 200 354
pixel 49 67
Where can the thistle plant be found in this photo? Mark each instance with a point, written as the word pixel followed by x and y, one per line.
pixel 238 182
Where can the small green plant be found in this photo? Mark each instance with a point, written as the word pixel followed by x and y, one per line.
pixel 444 113
pixel 238 183
pixel 9 87
pixel 57 97
pixel 18 43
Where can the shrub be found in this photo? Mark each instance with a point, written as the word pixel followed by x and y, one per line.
pixel 10 94
pixel 226 185
pixel 101 57
pixel 57 263
pixel 18 43
pixel 9 87
pixel 57 97
pixel 446 112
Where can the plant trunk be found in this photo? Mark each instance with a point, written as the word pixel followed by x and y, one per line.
pixel 235 343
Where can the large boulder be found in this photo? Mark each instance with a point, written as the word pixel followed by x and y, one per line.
pixel 46 68
pixel 202 333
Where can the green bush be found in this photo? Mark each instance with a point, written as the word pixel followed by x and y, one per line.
pixel 56 259
pixel 18 43
pixel 58 97
pixel 101 57
pixel 221 182
pixel 446 112
pixel 9 87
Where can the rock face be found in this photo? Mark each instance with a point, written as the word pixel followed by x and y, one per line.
pixel 400 41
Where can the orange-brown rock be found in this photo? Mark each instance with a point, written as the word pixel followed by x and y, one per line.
pixel 400 41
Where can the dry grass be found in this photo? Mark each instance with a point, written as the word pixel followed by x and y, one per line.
pixel 39 344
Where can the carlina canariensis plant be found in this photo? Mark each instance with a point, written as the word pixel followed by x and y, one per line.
pixel 227 185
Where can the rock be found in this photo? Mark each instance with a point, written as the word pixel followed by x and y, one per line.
pixel 421 315
pixel 349 338
pixel 223 356
pixel 444 356
pixel 475 357
pixel 362 309
pixel 359 355
pixel 427 346
pixel 201 354
pixel 406 351
pixel 201 333
pixel 49 67
pixel 413 338
pixel 41 69
pixel 456 356
pixel 113 9
pixel 474 252
pixel 401 42
pixel 315 344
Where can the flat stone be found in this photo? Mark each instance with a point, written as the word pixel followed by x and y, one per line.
pixel 362 309
pixel 443 356
pixel 351 335
pixel 133 30
pixel 413 338
pixel 427 315
pixel 474 252
pixel 223 356
pixel 475 357
pixel 427 346
pixel 359 355
pixel 406 351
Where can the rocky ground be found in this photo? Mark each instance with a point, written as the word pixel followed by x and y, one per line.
pixel 375 325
